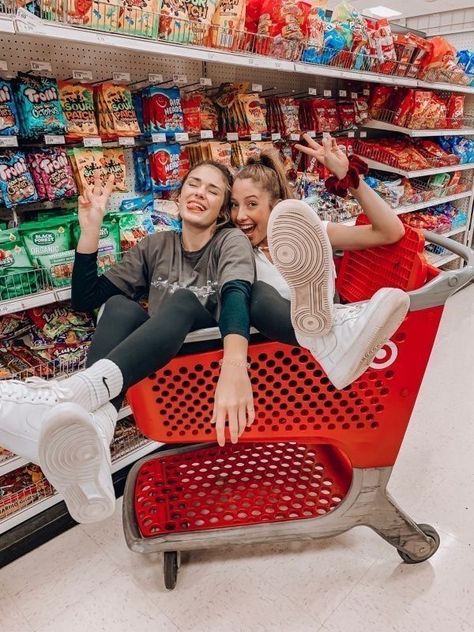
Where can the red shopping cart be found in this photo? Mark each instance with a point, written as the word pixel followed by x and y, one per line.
pixel 316 461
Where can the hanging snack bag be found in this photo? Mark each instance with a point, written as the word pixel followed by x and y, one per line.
pixel 255 113
pixel 455 111
pixel 221 152
pixel 17 274
pixel 16 183
pixel 164 166
pixel 31 159
pixel 133 228
pixel 114 163
pixel 52 173
pixel 77 100
pixel 39 106
pixel 109 242
pixel 85 161
pixel 163 111
pixel 191 104
pixel 116 113
pixel 142 170
pixel 9 123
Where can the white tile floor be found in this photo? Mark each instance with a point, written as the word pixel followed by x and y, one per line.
pixel 87 580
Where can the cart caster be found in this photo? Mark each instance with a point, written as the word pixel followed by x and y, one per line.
pixel 170 568
pixel 433 535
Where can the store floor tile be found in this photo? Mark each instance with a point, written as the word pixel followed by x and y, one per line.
pixel 87 579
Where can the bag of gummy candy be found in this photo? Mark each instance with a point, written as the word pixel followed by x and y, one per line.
pixel 17 274
pixel 142 170
pixel 52 173
pixel 164 166
pixel 133 228
pixel 39 106
pixel 16 183
pixel 9 123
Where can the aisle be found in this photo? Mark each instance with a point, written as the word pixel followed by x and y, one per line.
pixel 87 579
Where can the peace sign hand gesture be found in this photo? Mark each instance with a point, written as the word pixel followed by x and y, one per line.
pixel 327 153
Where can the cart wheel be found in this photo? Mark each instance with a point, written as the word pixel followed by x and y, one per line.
pixel 433 535
pixel 170 569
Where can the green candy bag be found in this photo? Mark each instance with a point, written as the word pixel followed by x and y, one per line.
pixel 18 276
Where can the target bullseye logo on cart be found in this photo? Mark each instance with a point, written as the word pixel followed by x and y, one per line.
pixel 385 356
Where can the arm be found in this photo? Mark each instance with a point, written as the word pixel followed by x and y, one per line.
pixel 385 227
pixel 233 396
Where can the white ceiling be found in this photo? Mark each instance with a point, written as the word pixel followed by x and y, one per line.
pixel 410 8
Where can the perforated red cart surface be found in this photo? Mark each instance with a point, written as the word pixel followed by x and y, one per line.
pixel 316 461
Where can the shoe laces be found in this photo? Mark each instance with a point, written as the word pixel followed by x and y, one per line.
pixel 342 312
pixel 35 390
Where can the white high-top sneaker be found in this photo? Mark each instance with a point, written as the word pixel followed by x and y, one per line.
pixel 22 407
pixel 359 331
pixel 75 458
pixel 302 253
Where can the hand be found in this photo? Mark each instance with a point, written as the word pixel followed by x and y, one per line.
pixel 233 401
pixel 328 154
pixel 93 202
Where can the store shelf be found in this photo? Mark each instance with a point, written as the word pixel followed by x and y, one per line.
pixel 380 166
pixel 415 133
pixel 7 24
pixel 353 75
pixel 27 302
pixel 455 231
pixel 446 87
pixel 8 465
pixel 439 261
pixel 409 208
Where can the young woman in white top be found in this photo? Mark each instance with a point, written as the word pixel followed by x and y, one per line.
pixel 293 298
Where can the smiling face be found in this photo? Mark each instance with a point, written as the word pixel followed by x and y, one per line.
pixel 202 197
pixel 251 206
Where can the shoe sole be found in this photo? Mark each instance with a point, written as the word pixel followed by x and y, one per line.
pixel 381 333
pixel 73 458
pixel 301 252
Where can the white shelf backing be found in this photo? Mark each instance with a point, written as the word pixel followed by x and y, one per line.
pixel 389 127
pixel 380 166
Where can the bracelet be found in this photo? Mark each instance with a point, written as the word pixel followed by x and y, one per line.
pixel 351 180
pixel 237 363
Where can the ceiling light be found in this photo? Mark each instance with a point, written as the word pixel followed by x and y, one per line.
pixel 383 12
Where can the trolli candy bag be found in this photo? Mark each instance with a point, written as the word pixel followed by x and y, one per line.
pixel 16 183
pixel 52 173
pixel 9 123
pixel 39 105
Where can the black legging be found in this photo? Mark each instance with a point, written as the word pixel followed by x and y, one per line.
pixel 139 344
pixel 270 314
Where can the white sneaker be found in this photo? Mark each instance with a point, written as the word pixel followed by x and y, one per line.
pixel 302 253
pixel 22 407
pixel 359 331
pixel 74 455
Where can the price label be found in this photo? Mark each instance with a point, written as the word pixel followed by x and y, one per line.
pixel 351 134
pixel 211 56
pixel 232 136
pixel 121 77
pixel 158 138
pixel 206 134
pixel 126 141
pixel 180 80
pixel 328 93
pixel 93 142
pixel 3 65
pixel 205 81
pixel 82 75
pixel 363 134
pixel 28 22
pixel 312 91
pixel 251 61
pixel 276 136
pixel 40 66
pixel 354 95
pixel 311 133
pixel 8 141
pixel 63 295
pixel 180 137
pixel 255 137
pixel 294 136
pixel 366 92
pixel 278 64
pixel 54 139
pixel 257 87
pixel 9 308
pixel 343 94
pixel 154 78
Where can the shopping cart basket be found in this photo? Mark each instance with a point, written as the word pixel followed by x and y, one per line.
pixel 316 461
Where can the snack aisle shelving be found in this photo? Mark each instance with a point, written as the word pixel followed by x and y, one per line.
pixel 25 38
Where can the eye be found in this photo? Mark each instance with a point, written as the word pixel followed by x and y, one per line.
pixel 233 204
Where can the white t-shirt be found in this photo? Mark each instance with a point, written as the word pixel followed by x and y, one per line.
pixel 268 273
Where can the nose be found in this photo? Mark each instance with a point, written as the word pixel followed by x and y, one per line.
pixel 240 214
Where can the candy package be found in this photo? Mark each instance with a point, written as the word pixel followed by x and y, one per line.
pixel 114 164
pixel 133 228
pixel 14 325
pixel 39 106
pixel 139 18
pixel 59 324
pixel 17 274
pixel 52 173
pixel 77 100
pixel 164 166
pixel 116 113
pixel 142 170
pixel 85 161
pixel 9 122
pixel 16 183
pixel 174 22
pixel 162 111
